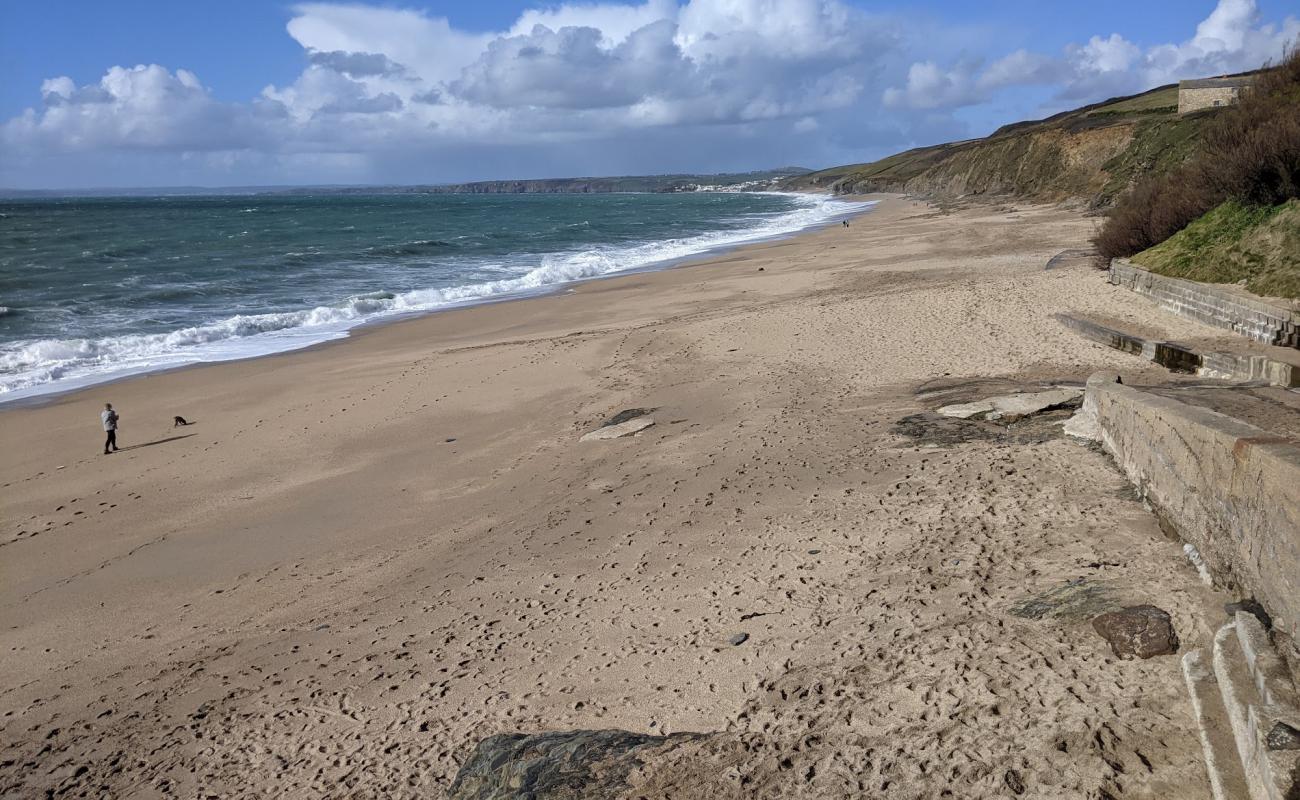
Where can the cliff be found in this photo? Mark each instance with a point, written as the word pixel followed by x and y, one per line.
pixel 1092 153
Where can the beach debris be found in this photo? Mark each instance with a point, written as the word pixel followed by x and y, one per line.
pixel 619 430
pixel 1143 631
pixel 738 639
pixel 573 765
pixel 1078 598
pixel 1013 406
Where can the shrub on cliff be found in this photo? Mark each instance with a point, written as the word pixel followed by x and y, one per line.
pixel 1250 154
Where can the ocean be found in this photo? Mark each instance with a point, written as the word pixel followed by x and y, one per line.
pixel 93 289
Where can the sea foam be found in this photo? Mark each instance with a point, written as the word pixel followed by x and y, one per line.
pixel 35 367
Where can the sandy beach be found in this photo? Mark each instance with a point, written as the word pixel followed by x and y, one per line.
pixel 364 557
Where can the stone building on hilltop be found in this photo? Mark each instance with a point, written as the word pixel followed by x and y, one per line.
pixel 1211 92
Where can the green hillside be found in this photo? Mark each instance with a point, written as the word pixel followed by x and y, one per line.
pixel 1092 153
pixel 1259 246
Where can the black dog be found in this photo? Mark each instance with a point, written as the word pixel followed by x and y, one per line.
pixel 178 421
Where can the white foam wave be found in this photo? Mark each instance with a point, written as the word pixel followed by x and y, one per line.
pixel 35 367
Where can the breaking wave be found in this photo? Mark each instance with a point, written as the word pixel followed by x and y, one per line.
pixel 34 367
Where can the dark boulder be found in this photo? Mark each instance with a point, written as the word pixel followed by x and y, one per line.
pixel 1143 631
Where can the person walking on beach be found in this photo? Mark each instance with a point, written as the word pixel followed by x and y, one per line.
pixel 109 417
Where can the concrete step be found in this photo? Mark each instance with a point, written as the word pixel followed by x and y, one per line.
pixel 1227 780
pixel 1258 698
pixel 1247 714
pixel 1233 366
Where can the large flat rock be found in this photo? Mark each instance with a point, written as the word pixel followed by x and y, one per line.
pixel 1013 405
pixel 620 430
pixel 566 765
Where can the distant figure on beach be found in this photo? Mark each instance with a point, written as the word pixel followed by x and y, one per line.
pixel 178 421
pixel 109 418
pixel 846 223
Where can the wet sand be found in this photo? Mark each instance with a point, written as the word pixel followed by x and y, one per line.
pixel 364 557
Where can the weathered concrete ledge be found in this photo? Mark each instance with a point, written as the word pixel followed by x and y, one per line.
pixel 1184 358
pixel 1228 488
pixel 1264 321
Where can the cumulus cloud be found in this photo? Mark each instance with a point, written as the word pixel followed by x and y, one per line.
pixel 387 86
pixel 1233 38
pixel 571 68
pixel 141 108
pixel 929 87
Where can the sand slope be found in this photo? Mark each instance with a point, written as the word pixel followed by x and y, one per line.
pixel 315 593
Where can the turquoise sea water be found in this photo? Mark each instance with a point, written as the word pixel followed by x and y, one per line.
pixel 96 288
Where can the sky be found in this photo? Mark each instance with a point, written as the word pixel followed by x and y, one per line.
pixel 261 92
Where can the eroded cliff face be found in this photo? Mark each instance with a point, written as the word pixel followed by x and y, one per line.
pixel 1092 154
pixel 1051 164
pixel 1047 165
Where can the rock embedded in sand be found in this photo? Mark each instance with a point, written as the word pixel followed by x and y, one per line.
pixel 1011 406
pixel 1079 598
pixel 620 430
pixel 568 765
pixel 1143 631
pixel 738 639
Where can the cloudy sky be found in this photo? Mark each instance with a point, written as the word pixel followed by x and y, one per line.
pixel 256 92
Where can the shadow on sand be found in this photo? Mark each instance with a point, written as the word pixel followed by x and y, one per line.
pixel 159 441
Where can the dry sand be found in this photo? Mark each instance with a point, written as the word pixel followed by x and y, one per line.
pixel 364 557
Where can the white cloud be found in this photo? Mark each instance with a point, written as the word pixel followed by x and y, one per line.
pixel 140 108
pixel 562 87
pixel 929 87
pixel 570 68
pixel 1022 68
pixel 1231 39
pixel 397 78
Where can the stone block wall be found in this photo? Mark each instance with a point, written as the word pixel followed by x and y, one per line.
pixel 1190 100
pixel 1255 318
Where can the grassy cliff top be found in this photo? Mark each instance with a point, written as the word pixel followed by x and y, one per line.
pixel 1235 243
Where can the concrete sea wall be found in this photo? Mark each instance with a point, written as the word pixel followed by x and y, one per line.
pixel 1255 318
pixel 1228 488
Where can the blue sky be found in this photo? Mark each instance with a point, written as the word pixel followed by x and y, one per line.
pixel 245 92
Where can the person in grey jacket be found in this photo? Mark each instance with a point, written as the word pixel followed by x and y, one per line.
pixel 109 418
